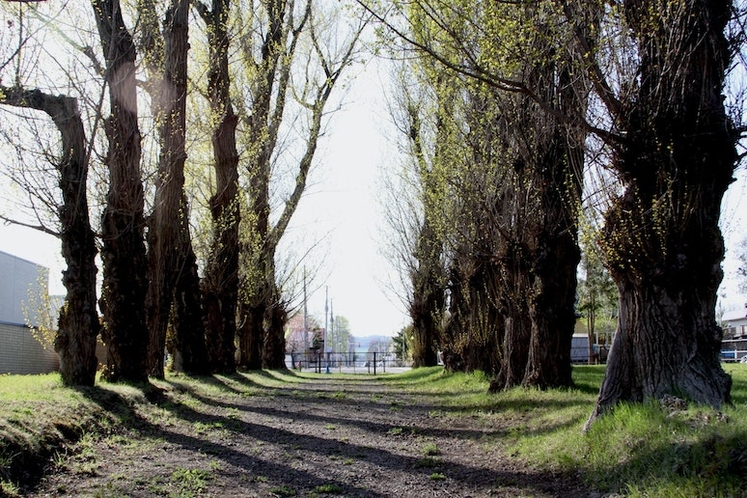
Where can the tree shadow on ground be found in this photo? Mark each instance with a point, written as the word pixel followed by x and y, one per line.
pixel 228 449
pixel 353 409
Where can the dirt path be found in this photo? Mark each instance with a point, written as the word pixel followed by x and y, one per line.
pixel 352 438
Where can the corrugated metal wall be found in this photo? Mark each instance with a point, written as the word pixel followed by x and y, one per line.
pixel 19 278
pixel 20 353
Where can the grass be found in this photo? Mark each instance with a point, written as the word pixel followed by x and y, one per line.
pixel 639 450
pixel 188 483
pixel 431 449
pixel 427 463
pixel 283 491
pixel 38 414
pixel 645 450
pixel 328 489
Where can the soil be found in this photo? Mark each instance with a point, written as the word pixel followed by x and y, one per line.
pixel 356 437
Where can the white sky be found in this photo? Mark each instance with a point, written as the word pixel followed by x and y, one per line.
pixel 343 204
pixel 734 228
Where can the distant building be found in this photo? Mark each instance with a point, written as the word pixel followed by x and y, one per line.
pixel 20 353
pixel 735 323
pixel 734 344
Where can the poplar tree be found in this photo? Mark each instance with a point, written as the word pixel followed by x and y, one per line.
pixel 221 281
pixel 124 287
pixel 675 158
pixel 174 297
pixel 78 323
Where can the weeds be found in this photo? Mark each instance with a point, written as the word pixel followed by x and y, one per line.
pixel 329 489
pixel 427 463
pixel 431 449
pixel 188 483
pixel 283 491
pixel 8 488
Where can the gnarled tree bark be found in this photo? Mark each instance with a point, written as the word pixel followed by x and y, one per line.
pixel 662 239
pixel 78 325
pixel 125 332
pixel 174 292
pixel 221 282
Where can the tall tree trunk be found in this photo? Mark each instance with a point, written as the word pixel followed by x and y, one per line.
pixel 455 328
pixel 554 257
pixel 274 347
pixel 661 239
pixel 250 342
pixel 261 266
pixel 78 324
pixel 423 312
pixel 173 266
pixel 482 351
pixel 517 325
pixel 263 125
pixel 270 88
pixel 554 175
pixel 551 311
pixel 221 281
pixel 426 308
pixel 189 345
pixel 123 253
pixel 427 302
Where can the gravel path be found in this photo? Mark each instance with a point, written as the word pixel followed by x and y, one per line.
pixel 354 438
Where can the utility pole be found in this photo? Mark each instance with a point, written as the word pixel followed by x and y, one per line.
pixel 305 321
pixel 331 327
pixel 326 310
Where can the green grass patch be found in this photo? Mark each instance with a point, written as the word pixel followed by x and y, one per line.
pixel 638 450
pixel 328 489
pixel 431 449
pixel 39 417
pixel 427 463
pixel 188 483
pixel 283 491
pixel 643 449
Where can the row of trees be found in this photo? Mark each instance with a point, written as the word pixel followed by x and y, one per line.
pixel 234 92
pixel 507 109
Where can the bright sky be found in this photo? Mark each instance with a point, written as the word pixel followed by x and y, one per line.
pixel 343 203
pixel 734 228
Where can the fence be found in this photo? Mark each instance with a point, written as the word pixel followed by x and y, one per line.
pixel 372 363
pixel 733 355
